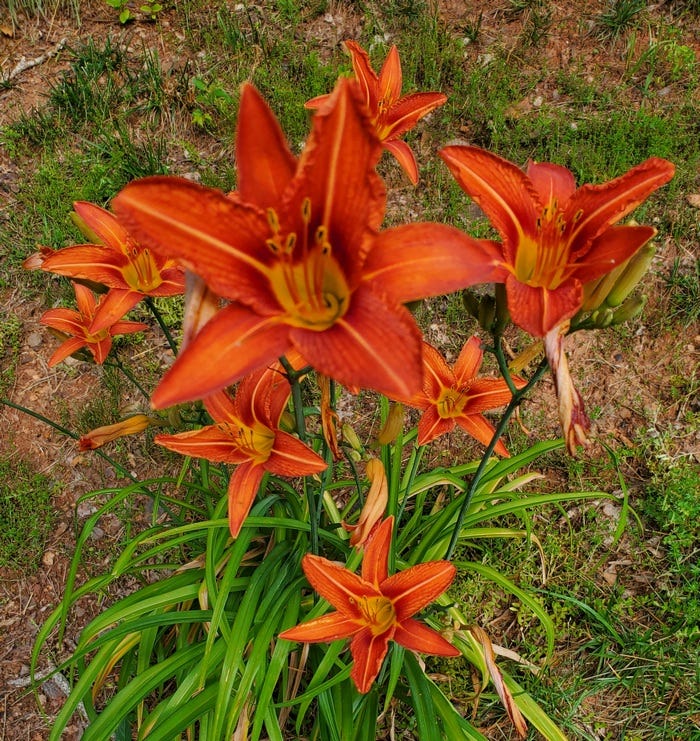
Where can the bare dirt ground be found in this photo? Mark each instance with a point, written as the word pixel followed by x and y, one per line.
pixel 630 388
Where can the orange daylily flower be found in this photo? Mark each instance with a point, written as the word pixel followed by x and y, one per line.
pixel 130 270
pixel 391 114
pixel 457 396
pixel 79 326
pixel 556 238
pixel 246 433
pixel 375 608
pixel 375 504
pixel 296 251
pixel 101 435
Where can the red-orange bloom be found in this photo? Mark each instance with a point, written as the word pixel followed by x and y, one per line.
pixel 556 238
pixel 246 433
pixel 458 397
pixel 129 269
pixel 296 251
pixel 79 326
pixel 375 608
pixel 391 114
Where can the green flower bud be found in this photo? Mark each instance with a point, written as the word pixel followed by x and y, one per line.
pixel 634 271
pixel 629 310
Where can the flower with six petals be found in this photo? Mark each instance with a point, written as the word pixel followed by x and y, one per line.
pixel 295 249
pixel 458 396
pixel 246 433
pixel 130 270
pixel 392 115
pixel 556 239
pixel 374 608
pixel 80 327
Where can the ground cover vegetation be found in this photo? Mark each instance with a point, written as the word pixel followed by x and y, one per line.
pixel 582 571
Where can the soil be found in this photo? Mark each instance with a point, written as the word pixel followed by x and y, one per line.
pixel 630 386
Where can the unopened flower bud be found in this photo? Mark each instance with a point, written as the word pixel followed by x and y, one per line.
pixel 101 435
pixel 375 504
pixel 471 302
pixel 393 425
pixel 487 312
pixel 635 269
pixel 602 317
pixel 629 310
pixel 351 438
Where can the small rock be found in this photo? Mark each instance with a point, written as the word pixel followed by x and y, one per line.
pixel 35 339
pixel 97 533
pixel 48 558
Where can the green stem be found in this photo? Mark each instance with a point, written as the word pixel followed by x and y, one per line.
pixel 518 397
pixel 293 377
pixel 117 467
pixel 159 318
pixel 117 363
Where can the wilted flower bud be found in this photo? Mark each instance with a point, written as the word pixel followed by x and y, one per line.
pixel 101 435
pixel 375 504
pixel 393 425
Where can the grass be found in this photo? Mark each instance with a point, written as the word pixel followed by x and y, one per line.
pixel 26 513
pixel 623 666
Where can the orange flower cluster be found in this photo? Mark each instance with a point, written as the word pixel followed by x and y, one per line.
pixel 294 265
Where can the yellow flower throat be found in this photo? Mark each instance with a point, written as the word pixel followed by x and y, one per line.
pixel 306 279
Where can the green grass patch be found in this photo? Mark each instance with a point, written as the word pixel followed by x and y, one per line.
pixel 26 514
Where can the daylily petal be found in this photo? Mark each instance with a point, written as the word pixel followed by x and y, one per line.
pixel 336 175
pixel 613 247
pixel 337 585
pixel 234 343
pixel 220 406
pixel 210 234
pixel 211 442
pixel 66 349
pixel 603 205
pixel 405 114
pixel 405 158
pixel 290 457
pixel 417 636
pixel 265 164
pixel 242 489
pixel 127 328
pixel 366 76
pixel 390 78
pixel 500 188
pixel 372 346
pixel 537 310
pixel 419 260
pixel 375 564
pixel 368 652
pixel 431 425
pixel 489 393
pixel 469 361
pixel 482 430
pixel 64 320
pixel 89 261
pixel 102 224
pixel 414 588
pixel 437 375
pixel 552 182
pixel 329 627
pixel 114 306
